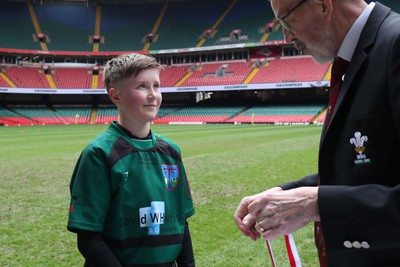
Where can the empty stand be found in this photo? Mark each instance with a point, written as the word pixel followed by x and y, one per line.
pixel 271 112
pixel 26 77
pixel 16 26
pixel 297 69
pixel 170 76
pixel 72 78
pixel 185 21
pixel 68 27
pixel 249 17
pixel 233 73
pixel 106 114
pixel 202 112
pixel 73 115
pixel 125 25
pixel 11 118
pixel 41 115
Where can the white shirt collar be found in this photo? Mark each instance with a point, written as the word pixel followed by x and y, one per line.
pixel 350 42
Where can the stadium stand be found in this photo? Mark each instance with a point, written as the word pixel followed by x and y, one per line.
pixel 207 111
pixel 227 72
pixel 249 18
pixel 219 74
pixel 291 69
pixel 106 114
pixel 22 77
pixel 73 115
pixel 10 118
pixel 124 26
pixel 68 28
pixel 171 75
pixel 185 22
pixel 16 28
pixel 280 112
pixel 152 27
pixel 182 25
pixel 72 78
pixel 42 115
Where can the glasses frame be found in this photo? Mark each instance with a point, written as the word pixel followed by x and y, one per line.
pixel 282 18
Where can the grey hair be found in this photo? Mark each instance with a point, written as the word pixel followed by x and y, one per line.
pixel 126 65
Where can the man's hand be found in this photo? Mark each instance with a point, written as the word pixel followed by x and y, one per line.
pixel 245 221
pixel 279 213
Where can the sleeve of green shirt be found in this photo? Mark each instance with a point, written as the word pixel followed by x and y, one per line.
pixel 90 191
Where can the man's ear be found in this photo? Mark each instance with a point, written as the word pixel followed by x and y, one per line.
pixel 324 7
pixel 327 8
pixel 114 95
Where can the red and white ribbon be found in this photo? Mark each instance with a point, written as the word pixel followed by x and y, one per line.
pixel 293 254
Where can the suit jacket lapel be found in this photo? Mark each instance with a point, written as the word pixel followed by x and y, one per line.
pixel 367 39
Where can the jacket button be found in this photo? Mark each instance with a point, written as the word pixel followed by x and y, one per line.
pixel 356 244
pixel 364 245
pixel 347 244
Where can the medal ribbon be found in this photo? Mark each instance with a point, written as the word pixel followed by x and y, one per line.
pixel 291 248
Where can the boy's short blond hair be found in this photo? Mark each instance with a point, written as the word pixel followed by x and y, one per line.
pixel 126 65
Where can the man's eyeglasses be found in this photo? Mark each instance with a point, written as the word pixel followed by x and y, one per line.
pixel 281 19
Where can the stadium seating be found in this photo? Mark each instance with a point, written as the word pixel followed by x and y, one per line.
pixel 170 76
pixel 232 73
pixel 291 69
pixel 24 77
pixel 73 115
pixel 280 112
pixel 16 26
pixel 4 83
pixel 106 114
pixel 125 25
pixel 297 69
pixel 185 22
pixel 40 115
pixel 10 118
pixel 67 27
pixel 72 78
pixel 250 17
pixel 202 112
pixel 123 28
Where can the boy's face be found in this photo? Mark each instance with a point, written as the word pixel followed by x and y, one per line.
pixel 138 98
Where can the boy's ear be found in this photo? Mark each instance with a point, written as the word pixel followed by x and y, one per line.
pixel 114 96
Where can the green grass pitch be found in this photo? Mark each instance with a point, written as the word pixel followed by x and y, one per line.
pixel 223 162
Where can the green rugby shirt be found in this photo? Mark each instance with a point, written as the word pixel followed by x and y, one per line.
pixel 136 193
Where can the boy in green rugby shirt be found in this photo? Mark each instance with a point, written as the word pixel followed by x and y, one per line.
pixel 130 197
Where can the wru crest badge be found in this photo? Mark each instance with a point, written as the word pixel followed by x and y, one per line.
pixel 358 141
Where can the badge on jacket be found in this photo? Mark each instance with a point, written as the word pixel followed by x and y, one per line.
pixel 358 141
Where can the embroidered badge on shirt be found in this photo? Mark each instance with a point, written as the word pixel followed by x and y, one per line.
pixel 171 175
pixel 358 141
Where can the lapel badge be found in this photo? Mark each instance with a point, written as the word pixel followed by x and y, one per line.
pixel 358 141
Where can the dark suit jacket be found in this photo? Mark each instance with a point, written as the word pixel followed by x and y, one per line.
pixel 359 157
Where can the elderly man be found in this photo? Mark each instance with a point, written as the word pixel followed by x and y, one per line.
pixel 354 199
